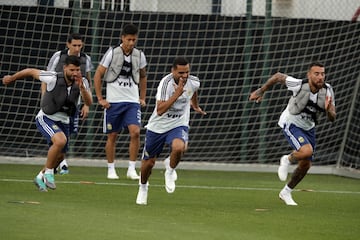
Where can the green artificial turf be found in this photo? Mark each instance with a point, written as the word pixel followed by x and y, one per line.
pixel 206 205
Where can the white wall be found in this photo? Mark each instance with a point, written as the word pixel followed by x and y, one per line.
pixel 178 6
pixel 233 7
pixel 61 3
pixel 30 3
pixel 19 2
pixel 315 9
pixel 319 9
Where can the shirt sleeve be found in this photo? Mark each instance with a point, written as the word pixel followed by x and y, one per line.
pixel 195 82
pixel 86 84
pixel 293 84
pixel 48 77
pixel 143 62
pixel 54 60
pixel 89 65
pixel 107 58
pixel 162 91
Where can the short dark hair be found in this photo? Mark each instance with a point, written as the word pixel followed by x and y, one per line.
pixel 76 36
pixel 130 29
pixel 75 60
pixel 316 64
pixel 180 61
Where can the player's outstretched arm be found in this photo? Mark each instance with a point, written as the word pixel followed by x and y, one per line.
pixel 258 94
pixel 27 72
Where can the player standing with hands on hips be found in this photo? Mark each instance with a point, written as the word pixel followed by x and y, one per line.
pixel 298 120
pixel 123 69
pixel 58 104
pixel 169 124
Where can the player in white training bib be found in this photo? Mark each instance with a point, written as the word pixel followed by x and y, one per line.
pixel 298 120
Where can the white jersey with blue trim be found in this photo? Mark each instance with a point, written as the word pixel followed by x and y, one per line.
pixel 179 113
pixel 50 78
pixel 124 88
pixel 302 120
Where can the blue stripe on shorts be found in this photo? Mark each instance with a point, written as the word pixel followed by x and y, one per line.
pixel 48 128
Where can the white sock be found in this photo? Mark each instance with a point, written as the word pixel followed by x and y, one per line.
pixel 167 166
pixel 63 162
pixel 132 164
pixel 287 189
pixel 144 186
pixel 167 163
pixel 171 170
pixel 49 171
pixel 111 166
pixel 40 175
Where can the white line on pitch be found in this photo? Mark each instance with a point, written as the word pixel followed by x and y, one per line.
pixel 185 186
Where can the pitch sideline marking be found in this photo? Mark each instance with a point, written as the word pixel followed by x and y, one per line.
pixel 183 186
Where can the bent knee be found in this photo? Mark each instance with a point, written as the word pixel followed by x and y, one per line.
pixel 150 163
pixel 59 139
pixel 135 135
pixel 305 152
pixel 134 132
pixel 178 146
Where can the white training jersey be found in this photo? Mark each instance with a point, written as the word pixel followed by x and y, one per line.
pixel 124 88
pixel 54 60
pixel 302 120
pixel 179 113
pixel 50 78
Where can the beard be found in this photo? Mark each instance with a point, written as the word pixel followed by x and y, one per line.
pixel 70 78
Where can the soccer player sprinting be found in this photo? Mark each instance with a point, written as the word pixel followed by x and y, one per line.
pixel 74 46
pixel 298 120
pixel 58 104
pixel 169 124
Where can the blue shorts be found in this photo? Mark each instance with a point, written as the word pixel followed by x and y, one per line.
pixel 298 137
pixel 120 116
pixel 74 122
pixel 48 128
pixel 154 142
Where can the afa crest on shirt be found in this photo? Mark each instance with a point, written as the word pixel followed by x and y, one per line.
pixel 109 126
pixel 301 139
pixel 55 127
